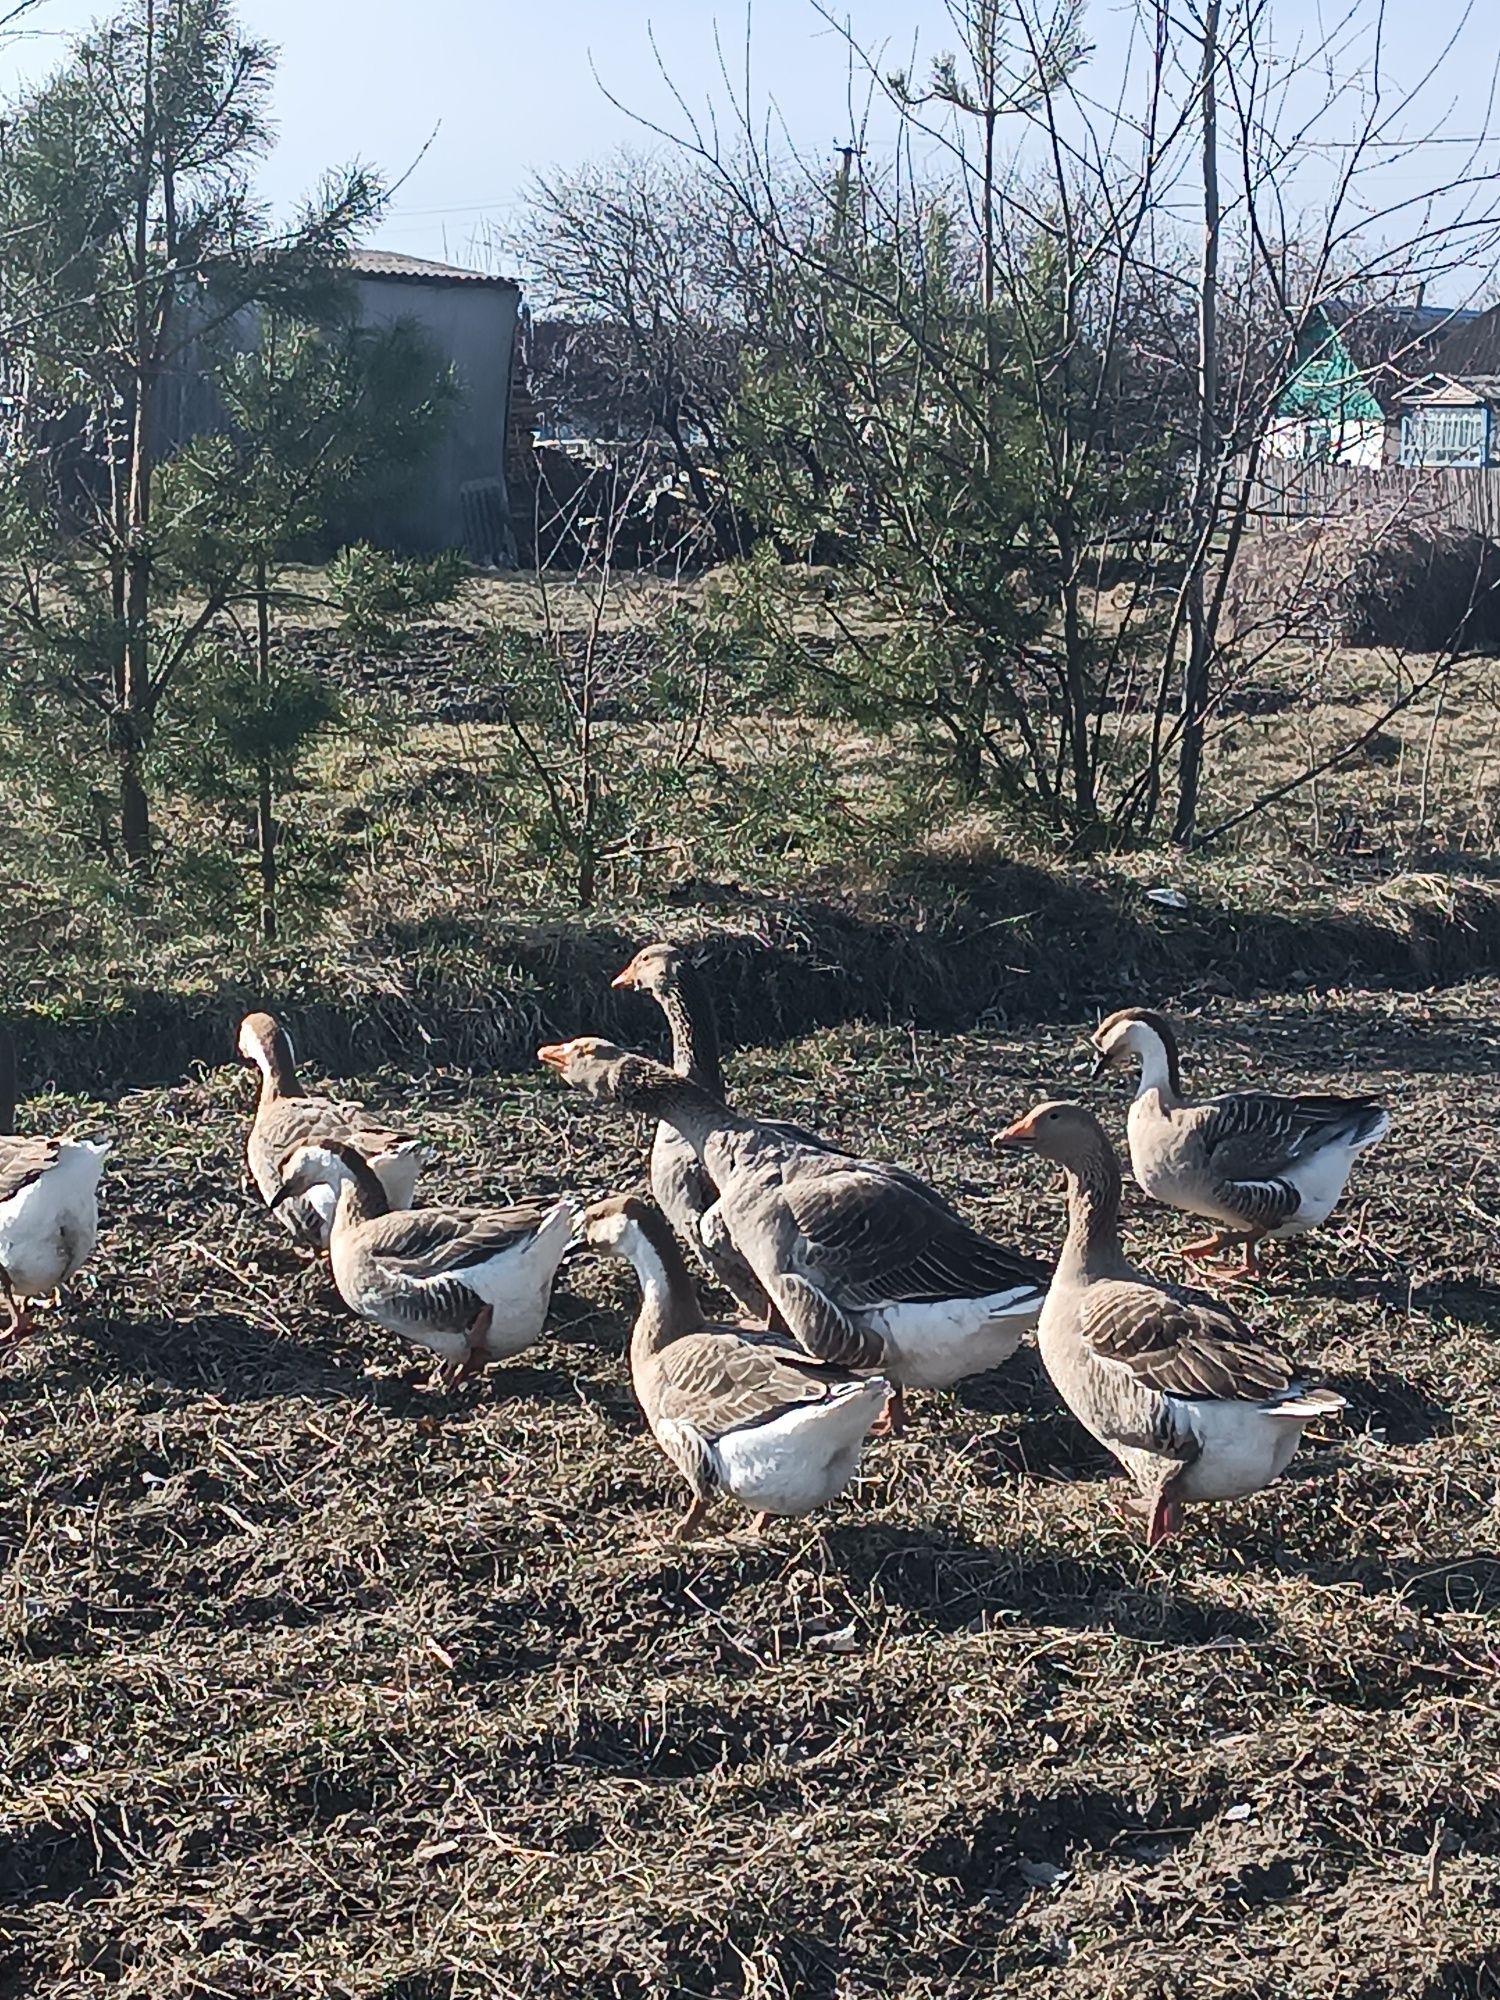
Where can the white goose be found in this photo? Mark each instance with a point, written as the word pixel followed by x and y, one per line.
pixel 470 1284
pixel 49 1207
pixel 1255 1164
pixel 737 1411
pixel 286 1116
pixel 865 1269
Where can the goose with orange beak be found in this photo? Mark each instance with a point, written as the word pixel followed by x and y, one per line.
pixel 864 1269
pixel 681 1184
pixel 1188 1399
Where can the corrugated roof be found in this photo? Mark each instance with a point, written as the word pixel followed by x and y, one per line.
pixel 378 263
pixel 1453 389
pixel 1473 349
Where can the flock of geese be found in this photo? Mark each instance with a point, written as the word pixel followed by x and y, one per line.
pixel 856 1280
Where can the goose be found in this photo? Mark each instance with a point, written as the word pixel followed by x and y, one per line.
pixel 681 1185
pixel 1188 1399
pixel 49 1207
pixel 865 1270
pixel 736 1410
pixel 1254 1164
pixel 286 1117
pixel 471 1284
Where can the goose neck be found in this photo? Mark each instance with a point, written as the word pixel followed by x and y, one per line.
pixel 695 1033
pixel 669 1303
pixel 361 1196
pixel 688 1108
pixel 1092 1247
pixel 278 1068
pixel 1159 1072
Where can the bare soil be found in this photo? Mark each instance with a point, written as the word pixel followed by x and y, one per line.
pixel 314 1683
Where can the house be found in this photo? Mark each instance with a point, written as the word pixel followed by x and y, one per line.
pixel 458 498
pixel 1349 367
pixel 1448 417
pixel 468 318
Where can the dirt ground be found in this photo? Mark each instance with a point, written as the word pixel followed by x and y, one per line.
pixel 316 1684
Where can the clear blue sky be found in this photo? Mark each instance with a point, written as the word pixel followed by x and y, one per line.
pixel 501 88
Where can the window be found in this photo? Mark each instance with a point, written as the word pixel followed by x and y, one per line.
pixel 1437 436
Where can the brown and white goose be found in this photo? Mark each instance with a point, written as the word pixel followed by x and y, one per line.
pixel 1190 1402
pixel 1255 1164
pixel 680 1183
pixel 864 1270
pixel 735 1410
pixel 286 1117
pixel 471 1284
pixel 49 1207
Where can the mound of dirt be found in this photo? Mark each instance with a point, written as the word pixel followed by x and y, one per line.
pixel 1361 579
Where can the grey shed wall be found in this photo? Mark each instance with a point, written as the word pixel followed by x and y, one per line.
pixel 470 324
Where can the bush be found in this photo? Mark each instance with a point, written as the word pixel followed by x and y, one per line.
pixel 378 594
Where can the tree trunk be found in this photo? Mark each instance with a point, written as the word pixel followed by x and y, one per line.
pixel 135 705
pixel 135 807
pixel 265 797
pixel 135 694
pixel 1077 695
pixel 1195 680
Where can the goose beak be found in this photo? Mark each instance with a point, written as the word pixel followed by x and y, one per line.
pixel 1099 1065
pixel 554 1055
pixel 1017 1137
pixel 625 978
pixel 283 1193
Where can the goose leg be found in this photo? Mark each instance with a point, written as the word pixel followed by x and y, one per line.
pixel 692 1520
pixel 1247 1242
pixel 1250 1253
pixel 892 1420
pixel 18 1324
pixel 1166 1516
pixel 478 1355
pixel 761 1522
pixel 1199 1253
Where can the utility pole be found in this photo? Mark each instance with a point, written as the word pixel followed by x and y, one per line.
pixel 848 154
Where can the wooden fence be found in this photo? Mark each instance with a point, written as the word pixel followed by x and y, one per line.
pixel 1286 490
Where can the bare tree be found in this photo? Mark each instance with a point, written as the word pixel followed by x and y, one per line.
pixel 636 267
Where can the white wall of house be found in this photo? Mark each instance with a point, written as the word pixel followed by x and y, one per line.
pixel 1315 439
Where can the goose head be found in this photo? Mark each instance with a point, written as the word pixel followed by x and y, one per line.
pixel 1138 1033
pixel 617 1227
pixel 656 969
pixel 264 1042
pixel 1068 1134
pixel 602 1070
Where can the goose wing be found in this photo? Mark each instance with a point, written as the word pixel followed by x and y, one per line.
pixel 872 1239
pixel 1179 1343
pixel 24 1160
pixel 1250 1134
pixel 291 1122
pixel 798 1135
pixel 1254 1141
pixel 725 1380
pixel 426 1245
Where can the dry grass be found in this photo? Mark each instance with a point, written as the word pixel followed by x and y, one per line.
pixel 309 1695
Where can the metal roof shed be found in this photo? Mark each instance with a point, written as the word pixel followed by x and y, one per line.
pixel 468 318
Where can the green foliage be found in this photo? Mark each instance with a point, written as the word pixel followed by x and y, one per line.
pixel 134 255
pixel 379 594
pixel 869 433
